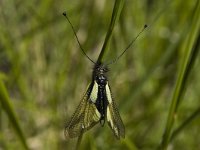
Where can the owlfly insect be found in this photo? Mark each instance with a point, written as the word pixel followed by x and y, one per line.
pixel 97 104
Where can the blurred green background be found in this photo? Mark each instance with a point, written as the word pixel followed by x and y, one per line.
pixel 46 74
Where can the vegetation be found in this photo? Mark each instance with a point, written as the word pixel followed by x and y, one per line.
pixel 43 73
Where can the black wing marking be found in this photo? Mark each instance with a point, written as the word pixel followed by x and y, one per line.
pixel 85 116
pixel 113 116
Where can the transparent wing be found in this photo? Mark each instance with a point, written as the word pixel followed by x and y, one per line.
pixel 113 116
pixel 85 116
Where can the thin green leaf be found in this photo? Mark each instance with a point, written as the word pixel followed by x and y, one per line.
pixel 7 106
pixel 186 65
pixel 115 17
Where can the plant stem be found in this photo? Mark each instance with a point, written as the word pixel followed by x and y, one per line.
pixel 8 108
pixel 186 65
pixel 115 17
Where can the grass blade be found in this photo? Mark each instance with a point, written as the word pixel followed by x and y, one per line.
pixel 115 17
pixel 7 106
pixel 186 65
pixel 197 111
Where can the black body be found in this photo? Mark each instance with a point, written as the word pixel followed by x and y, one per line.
pixel 99 75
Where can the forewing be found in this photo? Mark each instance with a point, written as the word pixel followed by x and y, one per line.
pixel 113 116
pixel 85 116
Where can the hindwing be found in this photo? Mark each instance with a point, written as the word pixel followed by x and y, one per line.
pixel 113 116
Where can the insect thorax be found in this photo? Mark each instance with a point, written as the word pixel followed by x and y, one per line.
pixel 99 74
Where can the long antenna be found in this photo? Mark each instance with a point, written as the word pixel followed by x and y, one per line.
pixel 65 14
pixel 131 43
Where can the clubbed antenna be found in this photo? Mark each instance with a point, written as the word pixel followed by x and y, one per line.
pixel 65 14
pixel 131 43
